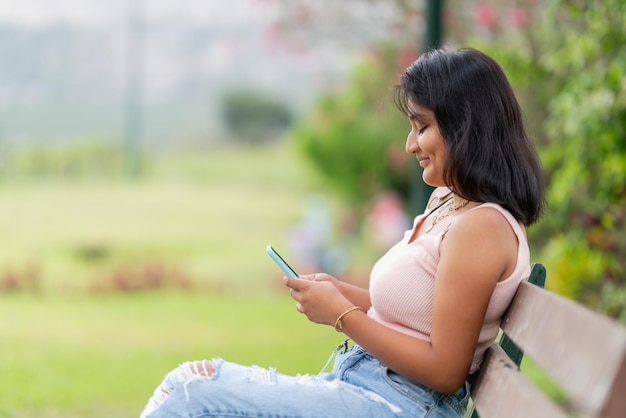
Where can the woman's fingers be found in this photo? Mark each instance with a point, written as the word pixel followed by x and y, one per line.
pixel 296 284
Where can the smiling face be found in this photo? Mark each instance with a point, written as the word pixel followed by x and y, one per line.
pixel 427 143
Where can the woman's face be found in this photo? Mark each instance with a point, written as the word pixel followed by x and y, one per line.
pixel 427 143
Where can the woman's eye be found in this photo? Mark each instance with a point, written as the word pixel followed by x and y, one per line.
pixel 421 130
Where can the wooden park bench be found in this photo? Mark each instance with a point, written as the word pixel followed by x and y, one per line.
pixel 581 351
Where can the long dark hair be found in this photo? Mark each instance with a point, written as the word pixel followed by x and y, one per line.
pixel 489 157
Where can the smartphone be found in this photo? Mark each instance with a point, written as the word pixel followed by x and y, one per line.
pixel 281 263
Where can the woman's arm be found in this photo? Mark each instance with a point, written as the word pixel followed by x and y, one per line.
pixel 477 252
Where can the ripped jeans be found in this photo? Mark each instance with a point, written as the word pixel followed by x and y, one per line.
pixel 357 386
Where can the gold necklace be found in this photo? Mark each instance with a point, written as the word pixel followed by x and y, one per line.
pixel 459 206
pixel 448 204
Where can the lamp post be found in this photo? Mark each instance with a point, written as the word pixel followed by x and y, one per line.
pixel 433 33
pixel 133 102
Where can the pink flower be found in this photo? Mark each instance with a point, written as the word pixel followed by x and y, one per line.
pixel 406 58
pixel 485 15
pixel 518 16
pixel 272 36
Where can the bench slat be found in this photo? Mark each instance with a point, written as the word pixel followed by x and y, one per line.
pixel 503 391
pixel 583 351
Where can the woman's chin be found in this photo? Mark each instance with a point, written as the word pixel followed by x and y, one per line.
pixel 429 180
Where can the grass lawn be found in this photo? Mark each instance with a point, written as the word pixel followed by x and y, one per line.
pixel 101 356
pixel 207 216
pixel 69 352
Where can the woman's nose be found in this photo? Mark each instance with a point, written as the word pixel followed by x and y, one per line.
pixel 411 143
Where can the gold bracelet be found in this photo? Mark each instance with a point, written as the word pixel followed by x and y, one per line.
pixel 338 327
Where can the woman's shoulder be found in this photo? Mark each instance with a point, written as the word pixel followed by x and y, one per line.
pixel 493 212
pixel 485 237
pixel 486 223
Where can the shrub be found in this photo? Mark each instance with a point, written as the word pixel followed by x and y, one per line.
pixel 254 116
pixel 569 68
pixel 355 138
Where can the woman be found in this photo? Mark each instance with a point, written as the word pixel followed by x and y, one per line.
pixel 436 298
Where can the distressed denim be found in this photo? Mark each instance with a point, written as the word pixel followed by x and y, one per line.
pixel 357 386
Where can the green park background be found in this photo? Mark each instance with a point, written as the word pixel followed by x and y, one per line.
pixel 119 263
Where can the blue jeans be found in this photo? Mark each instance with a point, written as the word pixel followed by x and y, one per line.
pixel 357 386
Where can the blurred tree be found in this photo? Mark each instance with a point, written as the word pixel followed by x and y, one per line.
pixel 355 138
pixel 569 62
pixel 353 126
pixel 354 23
pixel 586 151
pixel 254 116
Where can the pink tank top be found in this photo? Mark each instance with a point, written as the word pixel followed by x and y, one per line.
pixel 402 285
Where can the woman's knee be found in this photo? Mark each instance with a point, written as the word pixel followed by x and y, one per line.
pixel 179 377
pixel 193 369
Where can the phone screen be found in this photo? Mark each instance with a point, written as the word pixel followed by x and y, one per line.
pixel 281 263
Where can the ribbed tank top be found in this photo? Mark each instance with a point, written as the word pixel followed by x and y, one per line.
pixel 402 285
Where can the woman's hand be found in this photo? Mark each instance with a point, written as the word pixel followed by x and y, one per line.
pixel 317 297
pixel 321 277
pixel 358 296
